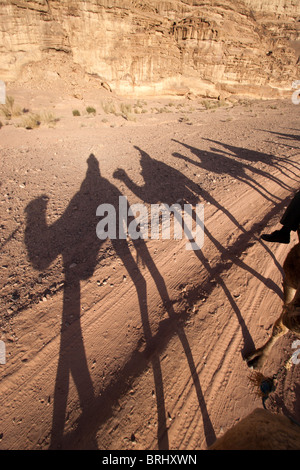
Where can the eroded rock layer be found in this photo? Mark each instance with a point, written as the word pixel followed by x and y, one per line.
pixel 207 47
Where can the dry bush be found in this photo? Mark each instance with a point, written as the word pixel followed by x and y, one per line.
pixel 31 121
pixel 34 120
pixel 48 118
pixel 90 110
pixel 9 110
pixel 109 107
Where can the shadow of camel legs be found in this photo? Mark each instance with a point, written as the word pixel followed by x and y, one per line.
pixel 124 253
pixel 73 236
pixel 72 361
pixel 144 254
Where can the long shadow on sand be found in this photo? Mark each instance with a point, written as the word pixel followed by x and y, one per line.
pixel 283 165
pixel 73 236
pixel 236 163
pixel 287 140
pixel 164 184
pixel 232 164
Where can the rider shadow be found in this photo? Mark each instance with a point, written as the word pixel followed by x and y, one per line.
pixel 286 140
pixel 282 164
pixel 216 162
pixel 164 184
pixel 73 236
pixel 219 163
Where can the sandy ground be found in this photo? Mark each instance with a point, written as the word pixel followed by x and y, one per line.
pixel 139 344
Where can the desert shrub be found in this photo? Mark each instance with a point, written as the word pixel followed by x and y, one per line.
pixel 126 112
pixel 75 112
pixel 109 107
pixel 126 109
pixel 209 104
pixel 31 121
pixel 90 110
pixel 139 105
pixel 48 118
pixel 9 110
pixel 165 109
pixel 222 103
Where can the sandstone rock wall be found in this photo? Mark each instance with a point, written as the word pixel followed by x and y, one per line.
pixel 206 47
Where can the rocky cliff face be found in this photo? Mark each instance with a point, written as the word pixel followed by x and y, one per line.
pixel 205 47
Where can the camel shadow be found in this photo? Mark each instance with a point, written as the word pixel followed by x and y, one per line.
pixel 164 184
pixel 73 237
pixel 217 162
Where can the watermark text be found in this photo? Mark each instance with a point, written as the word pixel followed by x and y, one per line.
pixel 187 221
